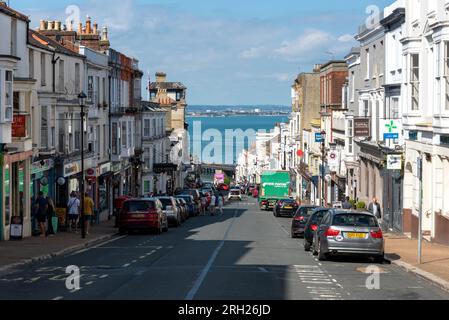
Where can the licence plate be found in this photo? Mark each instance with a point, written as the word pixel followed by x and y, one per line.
pixel 138 216
pixel 288 207
pixel 356 235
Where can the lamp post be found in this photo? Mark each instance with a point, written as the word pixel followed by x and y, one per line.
pixel 82 101
pixel 323 166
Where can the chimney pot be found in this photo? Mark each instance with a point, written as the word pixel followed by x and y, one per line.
pixel 42 25
pixel 50 25
pixel 95 28
pixel 88 26
pixel 80 28
pixel 161 77
pixel 104 34
pixel 58 25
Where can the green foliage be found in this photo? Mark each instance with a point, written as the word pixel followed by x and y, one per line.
pixel 360 205
pixel 227 181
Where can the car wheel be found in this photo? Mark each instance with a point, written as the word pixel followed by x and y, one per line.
pixel 293 235
pixel 307 246
pixel 321 255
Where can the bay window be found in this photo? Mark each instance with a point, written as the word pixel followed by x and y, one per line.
pixel 414 81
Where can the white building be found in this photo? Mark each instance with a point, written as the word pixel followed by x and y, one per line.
pixel 425 92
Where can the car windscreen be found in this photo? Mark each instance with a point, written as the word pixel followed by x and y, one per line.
pixel 305 212
pixel 166 202
pixel 317 217
pixel 355 220
pixel 139 206
pixel 188 200
pixel 235 192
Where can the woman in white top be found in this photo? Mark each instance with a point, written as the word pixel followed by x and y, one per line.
pixel 220 204
pixel 212 204
pixel 73 207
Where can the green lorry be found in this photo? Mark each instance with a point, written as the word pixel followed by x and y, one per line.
pixel 274 186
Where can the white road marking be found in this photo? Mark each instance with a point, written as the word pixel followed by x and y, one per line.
pixel 263 270
pixel 325 288
pixel 199 281
pixel 104 276
pixel 57 298
pixel 89 283
pixel 126 265
pixel 98 245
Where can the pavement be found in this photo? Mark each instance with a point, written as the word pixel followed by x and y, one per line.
pixel 246 254
pixel 403 252
pixel 33 249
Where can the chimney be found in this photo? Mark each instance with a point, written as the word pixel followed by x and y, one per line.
pixel 80 28
pixel 88 26
pixel 50 25
pixel 95 28
pixel 58 25
pixel 161 77
pixel 42 25
pixel 104 34
pixel 70 26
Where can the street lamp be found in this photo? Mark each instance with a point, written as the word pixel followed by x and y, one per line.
pixel 323 166
pixel 82 102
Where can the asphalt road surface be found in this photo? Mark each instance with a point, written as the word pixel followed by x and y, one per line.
pixel 246 254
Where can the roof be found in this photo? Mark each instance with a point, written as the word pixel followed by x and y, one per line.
pixel 152 106
pixel 167 86
pixel 12 13
pixel 38 40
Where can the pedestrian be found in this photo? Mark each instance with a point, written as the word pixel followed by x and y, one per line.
pixel 88 211
pixel 213 199
pixel 203 206
pixel 41 208
pixel 374 208
pixel 51 213
pixel 347 205
pixel 220 204
pixel 73 208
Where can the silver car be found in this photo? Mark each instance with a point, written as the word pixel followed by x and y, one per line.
pixel 349 232
pixel 170 208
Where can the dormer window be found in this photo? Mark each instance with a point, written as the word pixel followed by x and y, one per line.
pixel 178 96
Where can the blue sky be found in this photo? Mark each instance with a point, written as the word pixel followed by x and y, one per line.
pixel 224 51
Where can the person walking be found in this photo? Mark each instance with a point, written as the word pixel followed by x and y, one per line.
pixel 73 207
pixel 41 208
pixel 213 199
pixel 88 211
pixel 347 204
pixel 374 208
pixel 203 206
pixel 51 213
pixel 220 204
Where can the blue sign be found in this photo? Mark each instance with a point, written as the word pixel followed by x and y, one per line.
pixel 318 137
pixel 391 136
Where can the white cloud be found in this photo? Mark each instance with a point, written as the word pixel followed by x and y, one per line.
pixel 252 53
pixel 313 43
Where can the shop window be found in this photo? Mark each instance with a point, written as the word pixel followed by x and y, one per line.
pixel 7 190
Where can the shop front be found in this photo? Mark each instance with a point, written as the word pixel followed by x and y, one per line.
pixel 16 192
pixel 105 199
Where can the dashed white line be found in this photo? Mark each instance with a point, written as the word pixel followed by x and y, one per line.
pixel 126 265
pixel 57 298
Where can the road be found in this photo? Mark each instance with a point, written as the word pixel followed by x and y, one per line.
pixel 245 254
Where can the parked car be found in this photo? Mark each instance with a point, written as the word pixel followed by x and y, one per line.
pixel 285 207
pixel 268 204
pixel 300 219
pixel 138 214
pixel 235 194
pixel 250 189
pixel 223 187
pixel 192 209
pixel 349 232
pixel 195 193
pixel 312 225
pixel 182 209
pixel 170 207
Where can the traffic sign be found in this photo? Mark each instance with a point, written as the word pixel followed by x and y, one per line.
pixel 318 137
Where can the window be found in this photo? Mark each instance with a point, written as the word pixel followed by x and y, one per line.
pixel 77 125
pixel 114 138
pixel 154 155
pixel 352 86
pixel 104 90
pixel 8 115
pixel 146 186
pixel 98 138
pixel 367 177
pixel 105 142
pixel 31 62
pixel 77 78
pixel 130 134
pixel 61 133
pixel 394 110
pixel 413 136
pixel 414 81
pixel 146 128
pixel 124 135
pixel 43 70
pixel 366 108
pixel 61 76
pixel 97 92
pixel 367 64
pixel 178 96
pixel 147 158
pixel 444 140
pixel 350 136
pixel 90 89
pixel 44 127
pixel 446 73
pixel 154 127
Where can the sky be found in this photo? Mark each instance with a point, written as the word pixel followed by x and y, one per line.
pixel 227 52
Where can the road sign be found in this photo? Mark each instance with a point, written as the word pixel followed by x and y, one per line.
pixel 391 136
pixel 318 137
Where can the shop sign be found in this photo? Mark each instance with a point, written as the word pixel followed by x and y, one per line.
pixel 362 127
pixel 18 127
pixel 105 168
pixel 116 167
pixel 16 232
pixel 164 168
pixel 394 162
pixel 42 166
pixel 391 129
pixel 71 169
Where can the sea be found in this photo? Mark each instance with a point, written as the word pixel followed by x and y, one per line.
pixel 220 140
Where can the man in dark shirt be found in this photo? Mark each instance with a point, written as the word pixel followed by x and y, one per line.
pixel 347 205
pixel 41 209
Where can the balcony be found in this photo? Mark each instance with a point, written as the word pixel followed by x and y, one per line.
pixel 21 133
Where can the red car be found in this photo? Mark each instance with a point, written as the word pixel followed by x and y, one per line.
pixel 223 187
pixel 143 214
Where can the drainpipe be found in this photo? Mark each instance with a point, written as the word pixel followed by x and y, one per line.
pixel 54 61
